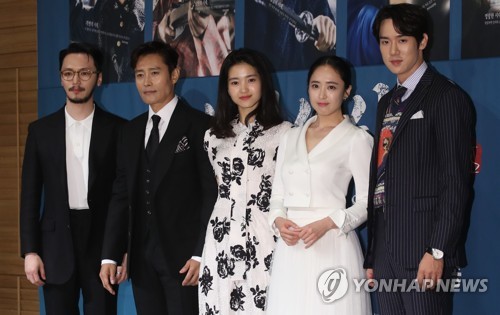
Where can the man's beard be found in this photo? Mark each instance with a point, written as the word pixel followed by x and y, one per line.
pixel 82 100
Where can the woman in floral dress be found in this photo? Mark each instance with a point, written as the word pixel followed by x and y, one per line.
pixel 242 145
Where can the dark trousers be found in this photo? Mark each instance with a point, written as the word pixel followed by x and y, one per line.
pixel 401 303
pixel 156 290
pixel 62 299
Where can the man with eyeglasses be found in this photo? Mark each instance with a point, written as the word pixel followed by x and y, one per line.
pixel 70 160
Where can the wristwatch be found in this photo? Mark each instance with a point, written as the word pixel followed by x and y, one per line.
pixel 436 253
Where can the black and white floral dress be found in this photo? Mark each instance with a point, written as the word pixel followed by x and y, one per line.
pixel 236 260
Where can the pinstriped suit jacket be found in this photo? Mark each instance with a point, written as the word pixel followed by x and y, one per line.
pixel 428 175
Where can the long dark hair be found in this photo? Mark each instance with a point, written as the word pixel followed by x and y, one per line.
pixel 267 113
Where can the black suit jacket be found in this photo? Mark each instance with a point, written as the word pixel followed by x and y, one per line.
pixel 183 190
pixel 46 231
pixel 428 174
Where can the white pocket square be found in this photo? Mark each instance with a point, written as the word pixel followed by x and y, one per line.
pixel 418 115
pixel 183 145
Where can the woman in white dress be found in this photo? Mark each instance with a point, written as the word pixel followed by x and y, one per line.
pixel 242 146
pixel 318 254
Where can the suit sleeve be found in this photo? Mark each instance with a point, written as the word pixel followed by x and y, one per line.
pixel 116 235
pixel 208 185
pixel 455 138
pixel 32 182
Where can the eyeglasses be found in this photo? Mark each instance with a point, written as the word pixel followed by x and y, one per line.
pixel 83 74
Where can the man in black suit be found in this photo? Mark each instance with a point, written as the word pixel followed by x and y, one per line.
pixel 164 192
pixel 421 170
pixel 70 160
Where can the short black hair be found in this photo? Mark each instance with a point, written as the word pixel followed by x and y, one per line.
pixel 83 48
pixel 165 51
pixel 408 20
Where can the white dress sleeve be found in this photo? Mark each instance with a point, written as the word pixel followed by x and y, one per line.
pixel 276 208
pixel 359 163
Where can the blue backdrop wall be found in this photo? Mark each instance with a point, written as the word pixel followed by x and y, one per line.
pixel 479 77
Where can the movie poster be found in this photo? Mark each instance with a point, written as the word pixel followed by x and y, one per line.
pixel 115 26
pixel 480 28
pixel 202 31
pixel 362 47
pixel 292 33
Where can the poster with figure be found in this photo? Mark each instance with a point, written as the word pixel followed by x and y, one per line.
pixel 292 33
pixel 202 31
pixel 115 26
pixel 362 47
pixel 480 28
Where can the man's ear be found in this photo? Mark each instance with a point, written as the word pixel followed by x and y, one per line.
pixel 423 42
pixel 99 79
pixel 175 75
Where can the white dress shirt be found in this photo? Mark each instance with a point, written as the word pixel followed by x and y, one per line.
pixel 411 83
pixel 165 114
pixel 78 133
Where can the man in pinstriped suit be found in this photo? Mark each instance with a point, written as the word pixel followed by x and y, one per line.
pixel 421 170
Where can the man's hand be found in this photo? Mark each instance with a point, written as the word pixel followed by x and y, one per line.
pixel 370 277
pixel 108 277
pixel 192 269
pixel 315 230
pixel 34 269
pixel 289 231
pixel 327 33
pixel 430 270
pixel 121 271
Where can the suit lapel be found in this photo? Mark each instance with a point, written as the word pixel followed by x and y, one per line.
pixel 58 137
pixel 414 102
pixel 97 144
pixel 168 144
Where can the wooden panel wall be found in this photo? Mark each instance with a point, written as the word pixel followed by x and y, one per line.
pixel 18 107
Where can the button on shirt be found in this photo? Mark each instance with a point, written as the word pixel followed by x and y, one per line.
pixel 78 134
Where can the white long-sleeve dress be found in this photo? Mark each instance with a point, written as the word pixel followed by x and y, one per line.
pixel 308 187
pixel 236 260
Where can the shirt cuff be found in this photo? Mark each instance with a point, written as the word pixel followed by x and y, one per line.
pixel 338 217
pixel 273 214
pixel 197 258
pixel 108 261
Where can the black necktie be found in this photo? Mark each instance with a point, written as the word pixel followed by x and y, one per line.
pixel 396 99
pixel 154 138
